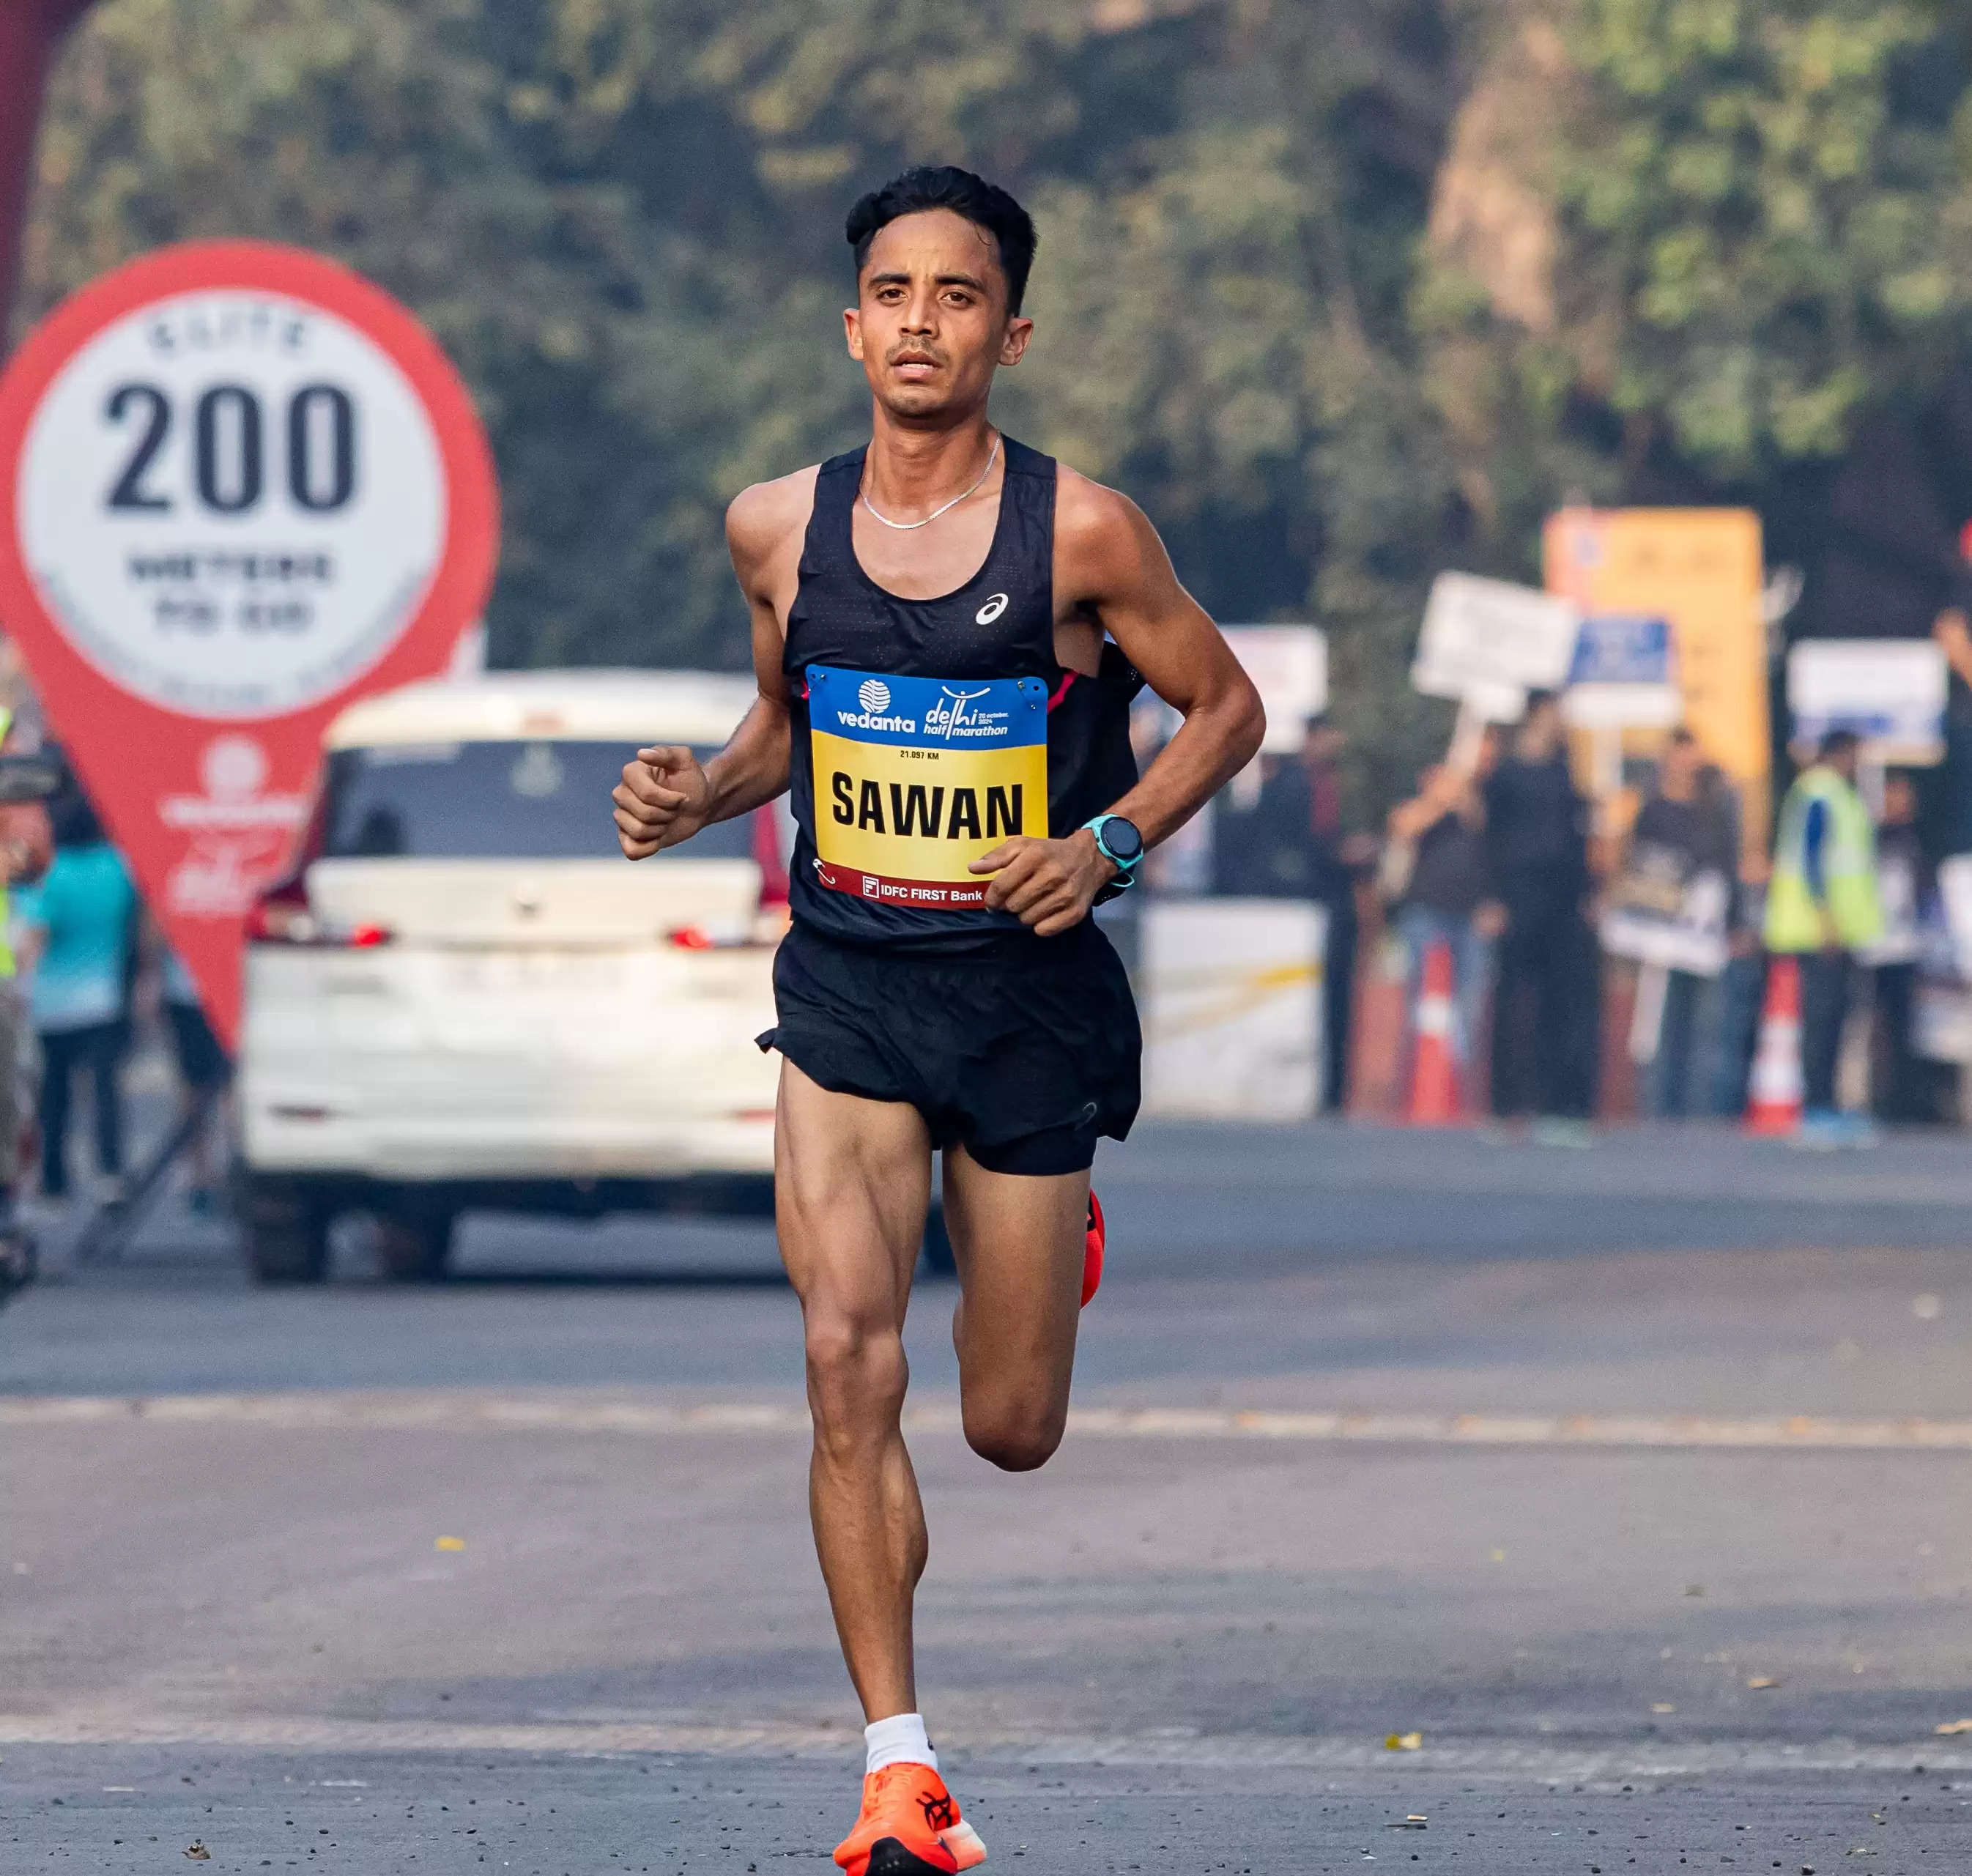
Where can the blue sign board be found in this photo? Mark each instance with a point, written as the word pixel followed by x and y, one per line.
pixel 1622 648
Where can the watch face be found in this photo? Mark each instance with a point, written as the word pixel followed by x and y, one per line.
pixel 1122 838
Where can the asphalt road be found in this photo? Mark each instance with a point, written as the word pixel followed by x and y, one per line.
pixel 1629 1483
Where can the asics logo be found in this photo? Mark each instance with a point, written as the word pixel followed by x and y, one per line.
pixel 939 1813
pixel 991 609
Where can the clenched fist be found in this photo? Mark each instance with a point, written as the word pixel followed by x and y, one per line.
pixel 662 799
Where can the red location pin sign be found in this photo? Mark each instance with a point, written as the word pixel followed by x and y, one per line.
pixel 239 487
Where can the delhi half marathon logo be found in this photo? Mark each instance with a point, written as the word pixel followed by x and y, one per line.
pixel 957 714
pixel 874 696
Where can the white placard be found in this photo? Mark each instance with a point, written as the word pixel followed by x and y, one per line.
pixel 1954 896
pixel 1488 642
pixel 1231 991
pixel 1289 667
pixel 1941 1023
pixel 1890 691
pixel 1622 706
pixel 1692 937
pixel 232 501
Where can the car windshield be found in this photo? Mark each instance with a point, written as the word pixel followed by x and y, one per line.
pixel 490 801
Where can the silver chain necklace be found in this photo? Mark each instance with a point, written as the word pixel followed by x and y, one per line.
pixel 904 527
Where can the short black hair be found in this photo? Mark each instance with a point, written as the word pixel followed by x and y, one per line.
pixel 1539 700
pixel 1839 742
pixel 944 185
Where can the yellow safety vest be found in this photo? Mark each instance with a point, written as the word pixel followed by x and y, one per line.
pixel 1850 901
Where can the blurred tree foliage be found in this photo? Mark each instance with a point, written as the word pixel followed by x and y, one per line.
pixel 1344 291
pixel 1680 246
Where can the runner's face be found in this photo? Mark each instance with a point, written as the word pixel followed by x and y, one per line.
pixel 930 323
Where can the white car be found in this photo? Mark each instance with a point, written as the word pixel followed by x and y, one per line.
pixel 468 998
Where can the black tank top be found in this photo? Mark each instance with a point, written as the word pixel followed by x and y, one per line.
pixel 926 730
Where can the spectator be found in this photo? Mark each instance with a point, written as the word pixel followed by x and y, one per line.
pixel 1900 1082
pixel 26 847
pixel 83 914
pixel 1338 859
pixel 1952 632
pixel 204 1073
pixel 1823 907
pixel 1687 829
pixel 1259 839
pixel 1447 899
pixel 1291 846
pixel 1546 1009
pixel 1741 988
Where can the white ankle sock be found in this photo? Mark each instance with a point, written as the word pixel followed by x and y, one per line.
pixel 898 1740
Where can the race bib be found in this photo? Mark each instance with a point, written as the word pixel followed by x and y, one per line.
pixel 915 777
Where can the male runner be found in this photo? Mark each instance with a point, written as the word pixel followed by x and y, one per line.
pixel 930 620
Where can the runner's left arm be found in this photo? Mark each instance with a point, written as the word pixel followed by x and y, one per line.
pixel 1112 569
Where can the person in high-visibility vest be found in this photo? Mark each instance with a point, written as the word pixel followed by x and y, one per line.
pixel 1823 907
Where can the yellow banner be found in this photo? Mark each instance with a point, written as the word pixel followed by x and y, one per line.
pixel 1702 570
pixel 905 814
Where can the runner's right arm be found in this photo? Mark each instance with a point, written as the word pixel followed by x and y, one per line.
pixel 665 796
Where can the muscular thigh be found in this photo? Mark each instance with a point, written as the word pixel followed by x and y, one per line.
pixel 852 1179
pixel 1018 1241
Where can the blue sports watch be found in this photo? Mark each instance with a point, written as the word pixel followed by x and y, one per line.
pixel 1120 843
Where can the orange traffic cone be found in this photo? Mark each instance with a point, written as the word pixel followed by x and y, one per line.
pixel 1773 1103
pixel 1434 1073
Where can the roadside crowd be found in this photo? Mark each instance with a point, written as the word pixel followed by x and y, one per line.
pixel 1666 912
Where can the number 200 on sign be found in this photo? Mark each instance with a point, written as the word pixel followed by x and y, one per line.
pixel 229 455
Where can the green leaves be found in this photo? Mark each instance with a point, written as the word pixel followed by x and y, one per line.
pixel 1758 214
pixel 1763 228
pixel 1344 290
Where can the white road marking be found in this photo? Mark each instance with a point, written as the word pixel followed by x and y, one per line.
pixel 1480 1757
pixel 575 1410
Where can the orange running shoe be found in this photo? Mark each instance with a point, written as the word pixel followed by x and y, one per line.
pixel 1092 1251
pixel 910 1826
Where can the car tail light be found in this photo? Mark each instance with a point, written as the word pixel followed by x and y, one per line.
pixel 770 917
pixel 767 855
pixel 282 917
pixel 279 919
pixel 769 923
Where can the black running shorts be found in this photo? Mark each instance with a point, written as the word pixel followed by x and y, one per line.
pixel 1024 1059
